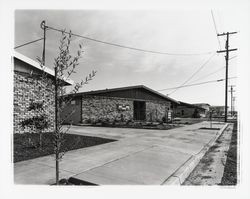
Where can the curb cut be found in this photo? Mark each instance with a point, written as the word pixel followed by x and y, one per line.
pixel 180 175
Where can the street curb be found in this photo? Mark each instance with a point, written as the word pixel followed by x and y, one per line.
pixel 180 175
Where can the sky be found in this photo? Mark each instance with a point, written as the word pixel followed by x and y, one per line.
pixel 171 31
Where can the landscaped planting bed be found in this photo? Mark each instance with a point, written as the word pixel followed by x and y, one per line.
pixel 136 125
pixel 25 145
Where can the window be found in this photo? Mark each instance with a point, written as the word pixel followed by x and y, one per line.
pixel 73 102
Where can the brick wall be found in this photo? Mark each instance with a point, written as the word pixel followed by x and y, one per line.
pixel 29 88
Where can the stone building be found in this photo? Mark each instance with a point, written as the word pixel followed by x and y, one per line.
pixel 187 110
pixel 32 83
pixel 134 103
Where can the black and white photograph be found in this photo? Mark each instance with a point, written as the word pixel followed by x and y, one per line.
pixel 118 98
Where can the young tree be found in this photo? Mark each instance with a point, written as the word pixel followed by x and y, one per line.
pixel 64 66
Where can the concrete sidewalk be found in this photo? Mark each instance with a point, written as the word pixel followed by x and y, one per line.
pixel 140 156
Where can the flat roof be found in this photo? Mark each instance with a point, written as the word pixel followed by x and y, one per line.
pixel 40 67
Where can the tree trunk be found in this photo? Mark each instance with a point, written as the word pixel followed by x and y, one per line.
pixel 57 167
pixel 40 140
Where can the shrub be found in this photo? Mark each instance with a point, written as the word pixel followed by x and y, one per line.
pixel 164 119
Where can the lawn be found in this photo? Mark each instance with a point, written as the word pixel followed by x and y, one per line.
pixel 24 150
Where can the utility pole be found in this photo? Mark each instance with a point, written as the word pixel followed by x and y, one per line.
pixel 227 50
pixel 234 103
pixel 231 91
pixel 43 26
pixel 57 148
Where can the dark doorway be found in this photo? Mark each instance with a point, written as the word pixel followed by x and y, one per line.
pixel 139 110
pixel 182 112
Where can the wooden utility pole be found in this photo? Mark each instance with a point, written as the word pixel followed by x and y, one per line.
pixel 43 26
pixel 57 150
pixel 234 103
pixel 231 91
pixel 227 50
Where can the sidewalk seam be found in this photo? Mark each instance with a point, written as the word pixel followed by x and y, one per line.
pixel 116 159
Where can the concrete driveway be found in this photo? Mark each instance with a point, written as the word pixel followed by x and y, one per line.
pixel 140 156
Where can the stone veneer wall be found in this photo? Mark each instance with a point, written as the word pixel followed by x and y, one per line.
pixel 155 111
pixel 96 108
pixel 27 88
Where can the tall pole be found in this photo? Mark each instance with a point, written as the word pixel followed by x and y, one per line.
pixel 56 127
pixel 226 78
pixel 231 90
pixel 57 134
pixel 233 103
pixel 232 99
pixel 43 26
pixel 227 50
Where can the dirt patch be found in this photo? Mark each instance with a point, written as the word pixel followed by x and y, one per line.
pixel 207 161
pixel 210 169
pixel 218 141
pixel 212 148
pixel 230 171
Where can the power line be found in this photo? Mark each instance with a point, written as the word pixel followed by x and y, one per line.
pixel 216 71
pixel 28 43
pixel 208 75
pixel 196 84
pixel 202 66
pixel 128 47
pixel 232 57
pixel 215 27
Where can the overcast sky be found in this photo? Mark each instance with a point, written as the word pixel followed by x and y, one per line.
pixel 171 31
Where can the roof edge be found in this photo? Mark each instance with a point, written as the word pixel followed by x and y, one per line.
pixel 191 105
pixel 125 88
pixel 40 67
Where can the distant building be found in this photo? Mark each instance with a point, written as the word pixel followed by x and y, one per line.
pixel 205 106
pixel 218 110
pixel 187 110
pixel 133 103
pixel 30 87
